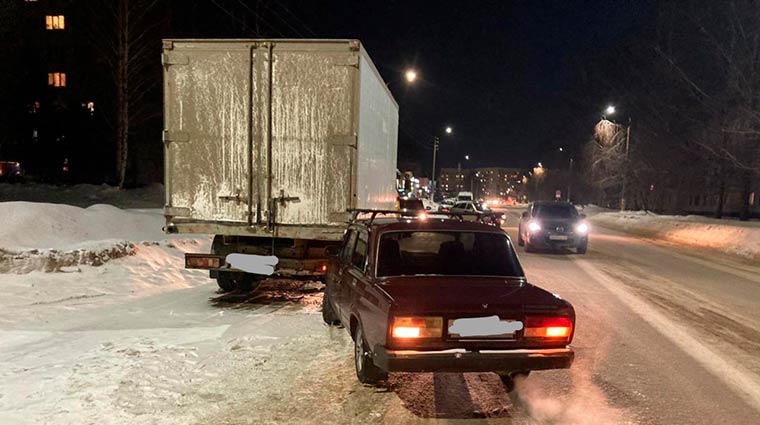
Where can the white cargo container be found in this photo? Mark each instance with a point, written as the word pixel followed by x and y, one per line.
pixel 269 142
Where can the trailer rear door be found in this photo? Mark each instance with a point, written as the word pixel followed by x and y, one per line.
pixel 207 94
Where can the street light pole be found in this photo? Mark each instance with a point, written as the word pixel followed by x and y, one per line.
pixel 435 151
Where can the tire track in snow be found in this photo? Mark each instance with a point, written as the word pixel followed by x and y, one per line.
pixel 742 381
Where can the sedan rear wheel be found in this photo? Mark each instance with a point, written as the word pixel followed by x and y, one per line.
pixel 366 370
pixel 520 240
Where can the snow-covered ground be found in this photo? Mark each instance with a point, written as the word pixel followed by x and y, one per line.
pixel 741 238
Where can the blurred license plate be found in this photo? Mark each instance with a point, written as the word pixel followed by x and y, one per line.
pixel 483 327
pixel 558 237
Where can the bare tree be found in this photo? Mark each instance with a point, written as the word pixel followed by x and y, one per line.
pixel 126 32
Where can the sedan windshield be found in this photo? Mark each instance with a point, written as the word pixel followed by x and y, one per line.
pixel 446 253
pixel 556 211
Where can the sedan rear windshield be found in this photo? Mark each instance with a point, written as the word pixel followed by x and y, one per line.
pixel 556 211
pixel 446 253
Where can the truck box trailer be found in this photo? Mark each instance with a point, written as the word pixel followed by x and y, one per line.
pixel 268 143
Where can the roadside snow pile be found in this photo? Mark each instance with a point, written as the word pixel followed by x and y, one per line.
pixel 51 237
pixel 84 195
pixel 729 236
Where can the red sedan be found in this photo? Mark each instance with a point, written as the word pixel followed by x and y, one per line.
pixel 442 295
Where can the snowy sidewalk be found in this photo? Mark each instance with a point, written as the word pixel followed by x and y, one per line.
pixel 740 238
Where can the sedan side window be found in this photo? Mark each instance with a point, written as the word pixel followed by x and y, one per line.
pixel 359 258
pixel 348 247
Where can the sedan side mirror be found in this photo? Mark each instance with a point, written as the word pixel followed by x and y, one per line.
pixel 332 250
pixel 525 214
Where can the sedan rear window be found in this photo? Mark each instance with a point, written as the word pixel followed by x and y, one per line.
pixel 446 253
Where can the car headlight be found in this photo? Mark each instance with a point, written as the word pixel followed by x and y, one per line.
pixel 534 227
pixel 581 228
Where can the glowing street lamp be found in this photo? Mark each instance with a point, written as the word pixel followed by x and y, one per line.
pixel 410 75
pixel 610 110
pixel 448 130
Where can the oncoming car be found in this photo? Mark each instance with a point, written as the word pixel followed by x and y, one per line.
pixel 552 225
pixel 442 296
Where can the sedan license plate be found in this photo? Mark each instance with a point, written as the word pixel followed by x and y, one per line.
pixel 483 327
pixel 557 237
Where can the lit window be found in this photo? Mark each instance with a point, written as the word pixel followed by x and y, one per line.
pixel 57 79
pixel 55 22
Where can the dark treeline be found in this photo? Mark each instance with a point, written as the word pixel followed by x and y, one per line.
pixel 688 90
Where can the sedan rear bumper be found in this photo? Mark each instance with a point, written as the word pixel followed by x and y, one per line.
pixel 460 360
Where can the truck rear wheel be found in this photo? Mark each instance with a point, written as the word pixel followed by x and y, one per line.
pixel 231 281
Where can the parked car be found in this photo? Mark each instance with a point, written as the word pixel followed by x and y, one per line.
pixel 410 207
pixel 11 171
pixel 552 225
pixel 442 296
pixel 446 204
pixel 464 196
pixel 430 205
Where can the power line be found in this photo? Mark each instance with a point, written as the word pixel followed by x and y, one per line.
pixel 228 13
pixel 302 23
pixel 257 16
pixel 285 21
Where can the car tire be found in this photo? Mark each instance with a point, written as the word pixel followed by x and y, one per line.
pixel 366 371
pixel 520 240
pixel 328 313
pixel 582 248
pixel 528 247
pixel 509 379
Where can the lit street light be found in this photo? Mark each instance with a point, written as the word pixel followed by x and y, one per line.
pixel 410 75
pixel 467 157
pixel 448 130
pixel 610 110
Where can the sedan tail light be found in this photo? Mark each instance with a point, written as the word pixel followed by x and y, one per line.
pixel 548 328
pixel 417 327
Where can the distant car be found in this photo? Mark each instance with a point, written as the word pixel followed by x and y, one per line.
pixel 442 296
pixel 430 205
pixel 552 225
pixel 465 196
pixel 11 171
pixel 410 207
pixel 447 203
pixel 464 207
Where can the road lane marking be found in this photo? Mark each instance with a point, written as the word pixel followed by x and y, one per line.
pixel 744 382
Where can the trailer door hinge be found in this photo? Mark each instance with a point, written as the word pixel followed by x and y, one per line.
pixel 352 60
pixel 175 136
pixel 342 140
pixel 172 58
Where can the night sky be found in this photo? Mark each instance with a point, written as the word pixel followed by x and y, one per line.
pixel 510 77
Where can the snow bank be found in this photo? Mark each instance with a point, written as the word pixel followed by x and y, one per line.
pixel 84 195
pixel 51 237
pixel 729 236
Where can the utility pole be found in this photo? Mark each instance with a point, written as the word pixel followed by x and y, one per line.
pixel 435 151
pixel 570 180
pixel 626 165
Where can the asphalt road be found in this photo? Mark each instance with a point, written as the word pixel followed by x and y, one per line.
pixel 664 336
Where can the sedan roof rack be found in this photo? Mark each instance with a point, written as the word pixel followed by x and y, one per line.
pixel 355 212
